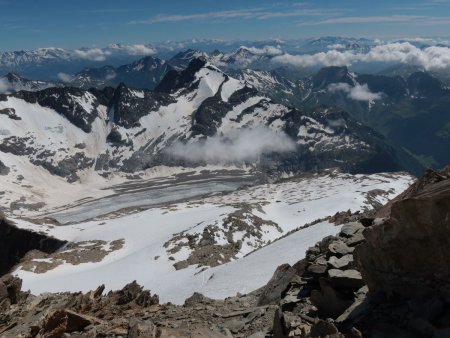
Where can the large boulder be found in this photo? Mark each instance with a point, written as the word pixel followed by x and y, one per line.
pixel 407 255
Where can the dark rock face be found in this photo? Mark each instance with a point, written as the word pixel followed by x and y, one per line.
pixel 15 243
pixel 329 75
pixel 128 108
pixel 370 154
pixel 11 113
pixel 175 80
pixel 144 73
pixel 67 102
pixel 408 254
pixel 4 170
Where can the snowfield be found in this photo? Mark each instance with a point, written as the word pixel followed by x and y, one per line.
pixel 149 237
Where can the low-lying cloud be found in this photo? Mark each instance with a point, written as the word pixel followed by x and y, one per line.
pixel 429 58
pixel 139 50
pixel 239 146
pixel 101 54
pixel 94 54
pixel 357 92
pixel 266 50
pixel 65 77
pixel 4 86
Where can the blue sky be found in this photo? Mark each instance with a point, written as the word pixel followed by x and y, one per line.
pixel 27 24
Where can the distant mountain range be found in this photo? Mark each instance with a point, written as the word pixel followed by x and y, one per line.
pixel 46 63
pixel 408 107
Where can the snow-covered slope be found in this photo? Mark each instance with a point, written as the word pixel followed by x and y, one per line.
pixel 11 83
pixel 205 245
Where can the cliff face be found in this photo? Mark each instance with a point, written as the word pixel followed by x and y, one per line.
pixel 15 243
pixel 408 254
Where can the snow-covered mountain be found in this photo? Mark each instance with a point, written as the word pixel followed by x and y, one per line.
pixel 46 63
pixel 73 130
pixel 399 107
pixel 145 73
pixel 11 83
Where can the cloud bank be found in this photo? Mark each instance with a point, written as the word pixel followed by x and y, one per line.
pixel 430 58
pixel 266 50
pixel 4 86
pixel 358 92
pixel 244 145
pixel 94 54
pixel 139 50
pixel 65 77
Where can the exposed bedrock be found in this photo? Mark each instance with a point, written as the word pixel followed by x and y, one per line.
pixel 15 243
pixel 408 254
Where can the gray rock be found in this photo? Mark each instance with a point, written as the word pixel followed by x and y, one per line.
pixel 340 263
pixel 258 335
pixel 141 329
pixel 356 239
pixel 340 248
pixel 278 326
pixel 350 229
pixel 358 309
pixel 235 325
pixel 4 170
pixel 271 294
pixel 346 278
pixel 329 301
pixel 317 269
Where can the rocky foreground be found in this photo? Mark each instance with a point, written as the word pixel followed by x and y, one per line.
pixel 382 276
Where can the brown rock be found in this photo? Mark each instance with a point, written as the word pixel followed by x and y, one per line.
pixel 62 321
pixel 141 329
pixel 408 254
pixel 271 293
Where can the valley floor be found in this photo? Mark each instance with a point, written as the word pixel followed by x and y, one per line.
pixel 217 245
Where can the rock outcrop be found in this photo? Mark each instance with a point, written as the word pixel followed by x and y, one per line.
pixel 131 312
pixel 408 254
pixel 380 277
pixel 16 242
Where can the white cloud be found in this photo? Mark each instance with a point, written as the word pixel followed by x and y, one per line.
pixel 259 13
pixel 364 19
pixel 139 50
pixel 65 77
pixel 266 50
pixel 93 54
pixel 110 76
pixel 433 57
pixel 336 46
pixel 239 146
pixel 4 86
pixel 245 13
pixel 358 92
pixel 329 58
